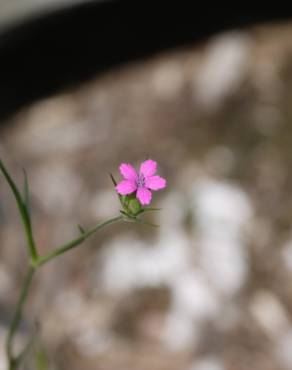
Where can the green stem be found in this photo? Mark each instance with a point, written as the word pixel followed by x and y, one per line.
pixel 74 243
pixel 14 361
pixel 17 318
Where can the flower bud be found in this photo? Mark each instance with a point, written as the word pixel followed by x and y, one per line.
pixel 134 206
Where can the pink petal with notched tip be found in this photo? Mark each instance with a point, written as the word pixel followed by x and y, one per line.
pixel 128 171
pixel 126 187
pixel 148 168
pixel 155 182
pixel 144 195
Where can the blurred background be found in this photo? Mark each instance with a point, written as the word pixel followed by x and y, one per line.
pixel 210 289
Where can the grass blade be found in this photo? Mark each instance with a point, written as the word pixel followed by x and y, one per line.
pixel 23 210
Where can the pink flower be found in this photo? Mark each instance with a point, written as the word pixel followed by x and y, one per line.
pixel 142 183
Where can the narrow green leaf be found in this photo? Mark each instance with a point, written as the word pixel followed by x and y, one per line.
pixel 20 202
pixel 113 179
pixel 82 231
pixel 143 222
pixel 119 195
pixel 23 210
pixel 26 191
pixel 145 210
pixel 13 187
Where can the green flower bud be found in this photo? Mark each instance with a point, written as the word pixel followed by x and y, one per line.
pixel 134 206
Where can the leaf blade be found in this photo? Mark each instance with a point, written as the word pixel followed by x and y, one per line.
pixel 23 210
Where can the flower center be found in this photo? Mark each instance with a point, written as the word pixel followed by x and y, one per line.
pixel 140 181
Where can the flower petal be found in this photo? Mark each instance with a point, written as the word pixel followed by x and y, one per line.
pixel 155 182
pixel 126 187
pixel 128 171
pixel 148 168
pixel 144 195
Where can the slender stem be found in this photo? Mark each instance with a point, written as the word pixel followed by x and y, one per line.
pixel 17 318
pixel 14 361
pixel 36 261
pixel 74 243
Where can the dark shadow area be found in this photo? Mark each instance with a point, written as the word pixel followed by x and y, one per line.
pixel 64 48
